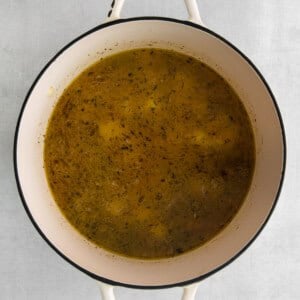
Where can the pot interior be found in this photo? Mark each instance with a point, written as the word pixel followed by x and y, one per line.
pixel 218 55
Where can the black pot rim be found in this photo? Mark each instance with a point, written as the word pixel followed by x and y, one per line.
pixel 105 280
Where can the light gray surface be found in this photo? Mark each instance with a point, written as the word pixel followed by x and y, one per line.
pixel 32 31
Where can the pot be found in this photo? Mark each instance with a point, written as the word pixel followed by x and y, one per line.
pixel 188 37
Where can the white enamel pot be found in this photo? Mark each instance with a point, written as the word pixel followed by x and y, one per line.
pixel 189 37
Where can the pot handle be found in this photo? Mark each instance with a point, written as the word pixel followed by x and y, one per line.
pixel 191 6
pixel 107 291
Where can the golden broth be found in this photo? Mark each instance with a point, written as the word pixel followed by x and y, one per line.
pixel 149 153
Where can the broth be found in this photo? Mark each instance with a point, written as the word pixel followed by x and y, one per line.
pixel 149 153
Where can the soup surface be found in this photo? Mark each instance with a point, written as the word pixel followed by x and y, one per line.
pixel 149 153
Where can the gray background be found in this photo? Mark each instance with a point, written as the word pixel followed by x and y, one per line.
pixel 32 31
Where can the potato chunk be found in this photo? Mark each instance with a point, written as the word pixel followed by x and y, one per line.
pixel 159 231
pixel 110 129
pixel 218 132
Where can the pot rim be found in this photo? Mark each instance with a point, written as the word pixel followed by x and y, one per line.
pixel 99 27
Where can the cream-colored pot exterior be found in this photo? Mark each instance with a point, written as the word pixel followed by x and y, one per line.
pixel 186 38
